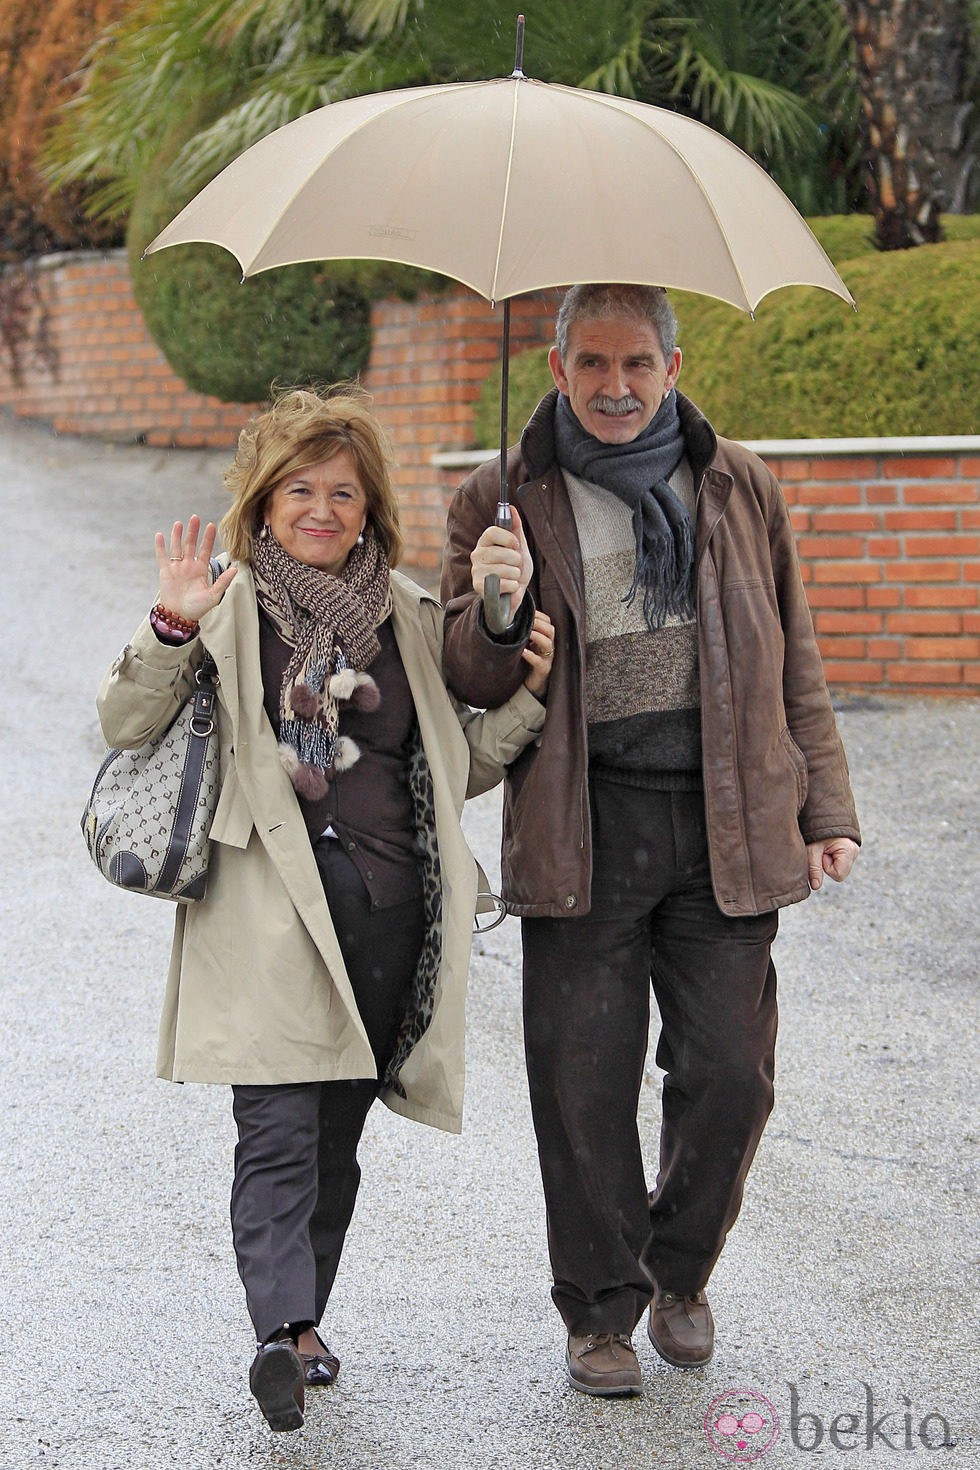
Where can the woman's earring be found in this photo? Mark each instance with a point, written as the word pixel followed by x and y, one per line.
pixel 264 532
pixel 360 538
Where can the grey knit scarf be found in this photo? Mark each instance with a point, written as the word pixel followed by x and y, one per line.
pixel 637 474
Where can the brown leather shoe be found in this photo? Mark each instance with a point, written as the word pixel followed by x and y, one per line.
pixel 276 1379
pixel 603 1363
pixel 682 1328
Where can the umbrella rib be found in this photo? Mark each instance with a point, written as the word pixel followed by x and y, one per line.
pixel 503 210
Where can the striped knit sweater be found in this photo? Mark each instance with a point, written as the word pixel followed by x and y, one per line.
pixel 642 697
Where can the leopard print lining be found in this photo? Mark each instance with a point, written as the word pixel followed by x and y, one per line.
pixel 421 1002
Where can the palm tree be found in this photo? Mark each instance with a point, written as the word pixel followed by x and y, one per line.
pixel 771 74
pixel 775 76
pixel 917 70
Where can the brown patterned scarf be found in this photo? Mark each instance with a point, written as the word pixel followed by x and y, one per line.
pixel 328 623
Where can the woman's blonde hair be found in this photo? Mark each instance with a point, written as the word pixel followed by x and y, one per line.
pixel 305 426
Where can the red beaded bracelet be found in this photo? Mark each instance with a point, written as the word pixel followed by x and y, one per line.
pixel 175 623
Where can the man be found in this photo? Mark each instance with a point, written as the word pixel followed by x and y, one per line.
pixel 689 782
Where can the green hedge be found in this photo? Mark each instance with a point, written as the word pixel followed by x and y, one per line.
pixel 808 367
pixel 232 338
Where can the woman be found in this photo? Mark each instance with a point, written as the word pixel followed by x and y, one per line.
pixel 326 965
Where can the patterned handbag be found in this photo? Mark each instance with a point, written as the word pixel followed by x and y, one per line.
pixel 147 820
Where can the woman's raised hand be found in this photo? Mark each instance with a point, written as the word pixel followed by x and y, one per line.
pixel 185 576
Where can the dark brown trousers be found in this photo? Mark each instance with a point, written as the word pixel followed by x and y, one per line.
pixel 586 1016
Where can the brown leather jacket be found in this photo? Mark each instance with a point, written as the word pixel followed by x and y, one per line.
pixel 775 774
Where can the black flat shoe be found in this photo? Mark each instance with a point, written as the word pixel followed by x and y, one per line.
pixel 321 1369
pixel 276 1379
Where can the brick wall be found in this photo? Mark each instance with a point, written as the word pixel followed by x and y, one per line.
pixel 99 372
pixel 890 548
pixel 429 359
pixel 889 530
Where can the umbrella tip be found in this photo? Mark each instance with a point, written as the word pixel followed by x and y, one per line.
pixel 519 51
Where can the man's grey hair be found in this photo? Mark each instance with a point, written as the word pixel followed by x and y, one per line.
pixel 643 303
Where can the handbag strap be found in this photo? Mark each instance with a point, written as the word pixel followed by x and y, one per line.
pixel 207 672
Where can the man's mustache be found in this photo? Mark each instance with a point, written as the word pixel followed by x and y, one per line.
pixel 618 406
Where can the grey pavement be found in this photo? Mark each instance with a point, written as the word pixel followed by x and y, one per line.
pixel 845 1297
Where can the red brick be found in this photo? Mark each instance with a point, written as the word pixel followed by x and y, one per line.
pixel 852 521
pixel 884 597
pixel 942 545
pixel 920 520
pixel 970 520
pixel 836 596
pixel 955 493
pixel 840 468
pixel 861 671
pixel 842 571
pixel 830 494
pixel 842 647
pixel 942 596
pixel 919 467
pixel 907 622
pixel 923 673
pixel 795 469
pixel 881 548
pixel 885 648
pixel 848 622
pixel 923 571
pixel 827 546
pixel 952 648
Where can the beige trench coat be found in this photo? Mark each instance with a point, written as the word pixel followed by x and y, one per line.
pixel 257 990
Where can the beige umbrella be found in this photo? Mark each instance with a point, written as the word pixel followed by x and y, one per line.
pixel 510 186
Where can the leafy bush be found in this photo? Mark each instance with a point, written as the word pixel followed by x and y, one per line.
pixel 807 367
pixel 232 338
pixel 41 47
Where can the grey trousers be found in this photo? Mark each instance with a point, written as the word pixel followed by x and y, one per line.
pixel 296 1169
pixel 587 985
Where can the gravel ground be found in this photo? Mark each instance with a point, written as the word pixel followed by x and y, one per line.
pixel 846 1294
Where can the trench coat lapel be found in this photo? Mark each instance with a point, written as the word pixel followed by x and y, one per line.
pixel 231 635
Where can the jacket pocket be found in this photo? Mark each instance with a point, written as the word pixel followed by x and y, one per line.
pixel 798 761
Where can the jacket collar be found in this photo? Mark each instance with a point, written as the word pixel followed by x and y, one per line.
pixel 538 440
pixel 713 486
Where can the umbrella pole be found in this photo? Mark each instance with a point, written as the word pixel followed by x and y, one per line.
pixel 496 607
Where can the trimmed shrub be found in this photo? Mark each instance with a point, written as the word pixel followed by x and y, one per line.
pixel 232 338
pixel 807 367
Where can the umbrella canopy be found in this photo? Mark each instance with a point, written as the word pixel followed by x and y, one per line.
pixel 510 186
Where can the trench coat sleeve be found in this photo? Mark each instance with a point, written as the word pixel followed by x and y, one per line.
pixel 478 668
pixel 829 809
pixel 497 736
pixel 145 688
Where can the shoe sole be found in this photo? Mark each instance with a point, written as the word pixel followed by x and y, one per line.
pixel 274 1383
pixel 676 1362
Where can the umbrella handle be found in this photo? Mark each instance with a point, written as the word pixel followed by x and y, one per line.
pixel 496 608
